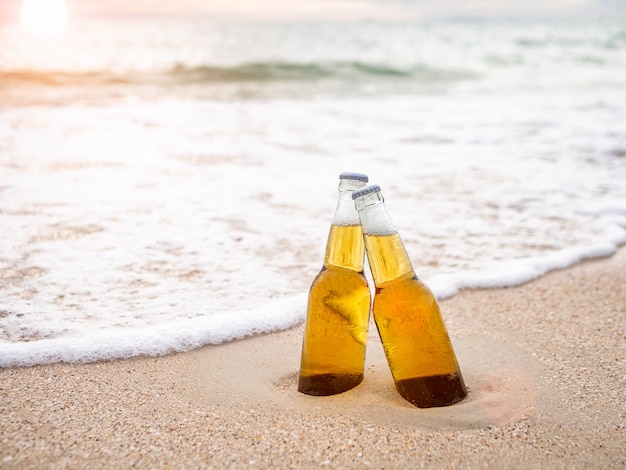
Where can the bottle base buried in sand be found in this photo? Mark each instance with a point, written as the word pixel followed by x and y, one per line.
pixel 434 391
pixel 338 307
pixel 323 385
pixel 410 325
pixel 333 347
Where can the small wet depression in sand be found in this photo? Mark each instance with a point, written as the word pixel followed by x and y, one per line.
pixel 503 382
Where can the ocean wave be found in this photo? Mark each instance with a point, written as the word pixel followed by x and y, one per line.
pixel 287 71
pixel 612 40
pixel 261 72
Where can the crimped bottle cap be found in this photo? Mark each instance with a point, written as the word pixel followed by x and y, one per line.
pixel 373 188
pixel 348 175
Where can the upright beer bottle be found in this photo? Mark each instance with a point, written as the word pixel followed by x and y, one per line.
pixel 416 343
pixel 333 349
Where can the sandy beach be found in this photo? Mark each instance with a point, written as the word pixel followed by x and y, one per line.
pixel 168 176
pixel 544 364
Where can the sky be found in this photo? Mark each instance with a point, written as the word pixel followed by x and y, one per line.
pixel 333 9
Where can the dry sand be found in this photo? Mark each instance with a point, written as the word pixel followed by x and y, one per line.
pixel 545 364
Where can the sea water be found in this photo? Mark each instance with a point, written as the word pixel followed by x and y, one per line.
pixel 166 185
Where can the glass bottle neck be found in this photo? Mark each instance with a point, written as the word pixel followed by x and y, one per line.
pixel 345 247
pixel 345 213
pixel 387 257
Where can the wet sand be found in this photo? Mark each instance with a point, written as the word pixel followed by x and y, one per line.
pixel 545 365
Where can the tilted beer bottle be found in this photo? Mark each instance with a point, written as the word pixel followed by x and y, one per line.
pixel 416 343
pixel 333 348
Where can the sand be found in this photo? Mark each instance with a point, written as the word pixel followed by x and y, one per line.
pixel 545 364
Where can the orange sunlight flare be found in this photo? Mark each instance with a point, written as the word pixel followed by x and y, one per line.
pixel 44 18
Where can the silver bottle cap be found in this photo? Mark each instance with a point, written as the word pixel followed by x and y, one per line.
pixel 348 175
pixel 373 188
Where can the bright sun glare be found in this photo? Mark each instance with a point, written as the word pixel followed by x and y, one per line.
pixel 44 18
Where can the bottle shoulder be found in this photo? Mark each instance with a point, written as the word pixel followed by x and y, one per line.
pixel 407 283
pixel 338 276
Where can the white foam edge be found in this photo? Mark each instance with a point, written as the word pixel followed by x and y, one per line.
pixel 185 335
pixel 519 271
pixel 155 340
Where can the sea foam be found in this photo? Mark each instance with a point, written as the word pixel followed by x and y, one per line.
pixel 142 217
pixel 90 345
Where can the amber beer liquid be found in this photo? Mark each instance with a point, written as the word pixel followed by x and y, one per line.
pixel 333 348
pixel 415 339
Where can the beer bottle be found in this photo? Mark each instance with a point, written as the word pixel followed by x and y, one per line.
pixel 416 343
pixel 333 348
